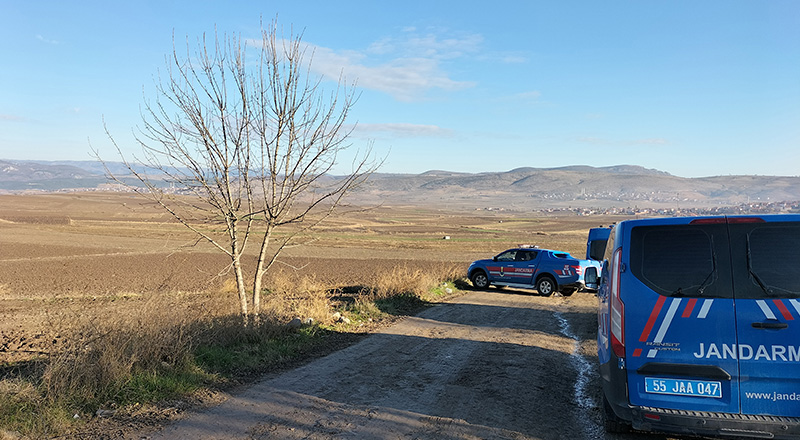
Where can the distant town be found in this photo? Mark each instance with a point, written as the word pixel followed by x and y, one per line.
pixel 744 208
pixel 741 209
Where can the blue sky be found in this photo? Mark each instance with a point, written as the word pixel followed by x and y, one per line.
pixel 694 88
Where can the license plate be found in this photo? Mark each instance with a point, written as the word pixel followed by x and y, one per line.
pixel 683 387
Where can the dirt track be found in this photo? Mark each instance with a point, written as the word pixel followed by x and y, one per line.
pixel 487 365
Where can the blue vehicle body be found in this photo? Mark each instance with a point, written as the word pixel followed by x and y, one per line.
pixel 699 326
pixel 595 249
pixel 545 270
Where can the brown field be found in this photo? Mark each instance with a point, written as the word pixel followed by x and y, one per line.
pixel 86 253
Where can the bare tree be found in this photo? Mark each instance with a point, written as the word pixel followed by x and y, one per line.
pixel 242 135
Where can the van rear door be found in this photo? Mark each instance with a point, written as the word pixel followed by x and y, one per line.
pixel 596 243
pixel 679 316
pixel 766 255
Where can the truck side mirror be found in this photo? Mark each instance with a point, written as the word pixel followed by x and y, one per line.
pixel 590 278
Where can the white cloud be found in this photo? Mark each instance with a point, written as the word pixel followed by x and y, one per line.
pixel 401 130
pixel 47 40
pixel 406 79
pixel 405 66
pixel 435 43
pixel 593 140
pixel 532 95
pixel 629 142
pixel 11 118
pixel 650 141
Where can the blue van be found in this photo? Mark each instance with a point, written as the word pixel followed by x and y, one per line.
pixel 699 326
pixel 596 243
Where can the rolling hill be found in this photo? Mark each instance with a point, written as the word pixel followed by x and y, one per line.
pixel 520 188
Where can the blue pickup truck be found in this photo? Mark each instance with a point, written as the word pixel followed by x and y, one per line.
pixel 545 270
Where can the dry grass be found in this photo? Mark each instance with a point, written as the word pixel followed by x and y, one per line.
pixel 406 280
pixel 101 351
pixel 100 358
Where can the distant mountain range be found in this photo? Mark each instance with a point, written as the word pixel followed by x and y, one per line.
pixel 521 188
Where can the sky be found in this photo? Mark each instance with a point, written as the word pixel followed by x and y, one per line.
pixel 693 88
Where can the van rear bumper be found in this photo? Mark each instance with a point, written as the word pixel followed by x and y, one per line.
pixel 718 424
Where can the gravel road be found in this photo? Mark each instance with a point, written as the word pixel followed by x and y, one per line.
pixel 486 365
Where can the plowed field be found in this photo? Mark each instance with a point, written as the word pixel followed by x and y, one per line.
pixel 103 252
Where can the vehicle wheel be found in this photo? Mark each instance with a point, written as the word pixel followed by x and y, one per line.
pixel 479 279
pixel 611 423
pixel 569 291
pixel 546 286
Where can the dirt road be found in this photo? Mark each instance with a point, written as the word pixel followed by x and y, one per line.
pixel 486 365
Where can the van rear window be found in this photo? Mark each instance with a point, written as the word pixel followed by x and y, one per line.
pixel 597 248
pixel 773 257
pixel 676 260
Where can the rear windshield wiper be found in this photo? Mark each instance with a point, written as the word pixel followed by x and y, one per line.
pixel 753 274
pixel 700 289
pixel 707 281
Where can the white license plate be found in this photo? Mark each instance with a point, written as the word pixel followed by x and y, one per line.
pixel 683 387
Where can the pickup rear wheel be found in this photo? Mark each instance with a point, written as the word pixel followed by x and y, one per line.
pixel 479 279
pixel 546 286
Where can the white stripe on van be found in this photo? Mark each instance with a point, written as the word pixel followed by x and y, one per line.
pixel 765 308
pixel 662 331
pixel 706 307
pixel 796 305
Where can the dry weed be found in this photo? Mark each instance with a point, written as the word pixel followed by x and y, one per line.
pixel 291 295
pixel 405 280
pixel 102 351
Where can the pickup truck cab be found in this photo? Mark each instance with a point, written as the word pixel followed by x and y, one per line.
pixel 699 326
pixel 545 270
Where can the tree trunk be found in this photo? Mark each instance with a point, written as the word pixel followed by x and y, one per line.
pixel 237 269
pixel 262 254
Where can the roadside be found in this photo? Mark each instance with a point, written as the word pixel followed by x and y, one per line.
pixel 485 365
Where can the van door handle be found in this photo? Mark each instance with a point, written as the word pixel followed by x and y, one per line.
pixel 770 325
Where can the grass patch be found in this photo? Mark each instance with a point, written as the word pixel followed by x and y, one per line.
pixel 153 386
pixel 406 304
pixel 245 359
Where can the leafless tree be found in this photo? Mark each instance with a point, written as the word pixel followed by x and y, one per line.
pixel 242 135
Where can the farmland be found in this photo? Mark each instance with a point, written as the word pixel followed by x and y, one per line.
pixel 109 250
pixel 87 257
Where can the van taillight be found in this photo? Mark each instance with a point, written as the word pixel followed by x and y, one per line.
pixel 723 220
pixel 617 307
